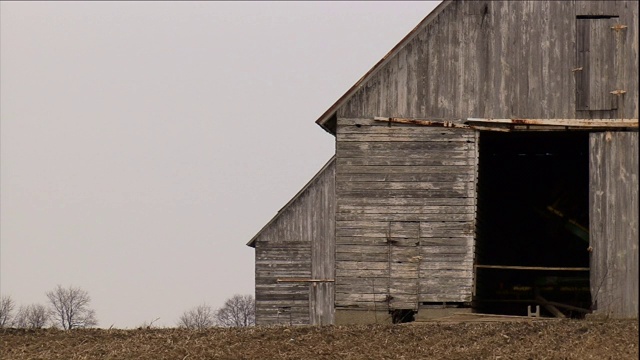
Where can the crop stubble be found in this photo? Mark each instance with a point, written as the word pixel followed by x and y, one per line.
pixel 565 339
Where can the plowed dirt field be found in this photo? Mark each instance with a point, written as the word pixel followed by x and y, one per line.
pixel 561 339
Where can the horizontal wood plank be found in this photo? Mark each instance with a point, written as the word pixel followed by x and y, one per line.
pixel 402 186
pixel 404 193
pixel 404 177
pixel 365 169
pixel 405 217
pixel 402 161
pixel 405 202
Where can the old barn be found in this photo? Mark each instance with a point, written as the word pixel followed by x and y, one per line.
pixel 488 163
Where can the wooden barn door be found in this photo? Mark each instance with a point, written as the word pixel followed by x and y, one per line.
pixel 597 64
pixel 404 265
pixel 321 294
pixel 321 287
pixel 613 172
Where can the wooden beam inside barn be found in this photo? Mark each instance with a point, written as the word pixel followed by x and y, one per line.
pixel 541 268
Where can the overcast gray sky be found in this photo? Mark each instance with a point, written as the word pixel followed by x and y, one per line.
pixel 142 144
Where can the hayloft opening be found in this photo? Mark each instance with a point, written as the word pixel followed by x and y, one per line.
pixel 532 223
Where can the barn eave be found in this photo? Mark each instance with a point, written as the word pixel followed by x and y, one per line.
pixel 328 119
pixel 252 242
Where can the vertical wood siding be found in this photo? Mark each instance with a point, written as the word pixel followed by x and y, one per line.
pixel 404 264
pixel 298 244
pixel 404 216
pixel 503 59
pixel 597 62
pixel 614 223
pixel 321 305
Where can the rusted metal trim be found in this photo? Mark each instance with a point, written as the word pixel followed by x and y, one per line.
pixel 288 280
pixel 492 128
pixel 440 123
pixel 593 123
pixel 503 124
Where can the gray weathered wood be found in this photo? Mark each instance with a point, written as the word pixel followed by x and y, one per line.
pixel 322 208
pixel 389 201
pixel 614 223
pixel 457 65
pixel 469 59
pixel 298 243
pixel 596 52
pixel 401 161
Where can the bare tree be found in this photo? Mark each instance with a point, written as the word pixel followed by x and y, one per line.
pixel 238 311
pixel 70 308
pixel 200 317
pixel 6 311
pixel 34 316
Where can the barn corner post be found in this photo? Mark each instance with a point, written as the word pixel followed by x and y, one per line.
pixel 614 227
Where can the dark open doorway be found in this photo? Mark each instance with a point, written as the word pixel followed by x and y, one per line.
pixel 532 234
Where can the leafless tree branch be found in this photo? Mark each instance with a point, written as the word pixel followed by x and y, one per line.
pixel 34 316
pixel 69 308
pixel 200 317
pixel 6 311
pixel 238 311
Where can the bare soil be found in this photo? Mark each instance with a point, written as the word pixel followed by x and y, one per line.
pixel 562 339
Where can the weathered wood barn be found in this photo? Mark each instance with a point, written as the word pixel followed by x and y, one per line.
pixel 488 163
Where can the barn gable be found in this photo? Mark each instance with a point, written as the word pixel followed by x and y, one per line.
pixel 506 59
pixel 295 247
pixel 428 216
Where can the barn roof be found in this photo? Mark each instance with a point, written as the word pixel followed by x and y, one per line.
pixel 325 120
pixel 293 200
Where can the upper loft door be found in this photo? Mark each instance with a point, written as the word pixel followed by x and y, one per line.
pixel 596 63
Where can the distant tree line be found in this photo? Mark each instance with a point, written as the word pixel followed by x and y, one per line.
pixel 237 311
pixel 68 308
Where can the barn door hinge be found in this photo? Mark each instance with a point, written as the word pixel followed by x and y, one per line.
pixel 617 92
pixel 618 27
